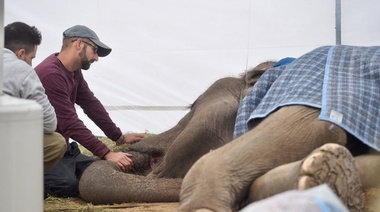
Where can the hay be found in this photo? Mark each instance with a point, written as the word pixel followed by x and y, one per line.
pixel 55 204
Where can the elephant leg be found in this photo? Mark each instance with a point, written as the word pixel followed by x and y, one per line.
pixel 220 180
pixel 369 169
pixel 103 182
pixel 211 127
pixel 331 164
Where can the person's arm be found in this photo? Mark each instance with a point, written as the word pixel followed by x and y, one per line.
pixel 32 89
pixel 95 110
pixel 59 89
pixel 21 81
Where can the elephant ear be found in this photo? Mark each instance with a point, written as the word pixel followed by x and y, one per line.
pixel 255 73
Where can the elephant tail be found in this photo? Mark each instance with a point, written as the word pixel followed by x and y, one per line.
pixel 104 183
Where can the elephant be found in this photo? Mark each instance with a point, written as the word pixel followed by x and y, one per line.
pixel 284 140
pixel 161 162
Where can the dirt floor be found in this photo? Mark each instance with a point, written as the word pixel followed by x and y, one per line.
pixel 52 204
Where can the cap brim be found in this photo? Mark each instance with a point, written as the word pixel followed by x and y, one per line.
pixel 103 49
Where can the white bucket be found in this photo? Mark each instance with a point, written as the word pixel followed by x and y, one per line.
pixel 21 155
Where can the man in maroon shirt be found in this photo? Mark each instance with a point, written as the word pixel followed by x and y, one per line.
pixel 62 77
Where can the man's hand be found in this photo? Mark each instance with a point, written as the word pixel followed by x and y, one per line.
pixel 129 139
pixel 122 159
pixel 133 138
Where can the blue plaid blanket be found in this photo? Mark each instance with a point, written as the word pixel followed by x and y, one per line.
pixel 343 81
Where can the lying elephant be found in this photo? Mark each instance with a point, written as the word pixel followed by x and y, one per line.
pixel 294 130
pixel 160 162
pixel 171 154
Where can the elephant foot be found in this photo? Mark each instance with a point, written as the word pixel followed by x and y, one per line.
pixel 334 165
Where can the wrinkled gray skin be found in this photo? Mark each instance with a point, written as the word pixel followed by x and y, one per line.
pixel 160 162
pixel 207 126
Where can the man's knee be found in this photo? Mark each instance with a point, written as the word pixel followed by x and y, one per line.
pixel 54 149
pixel 61 146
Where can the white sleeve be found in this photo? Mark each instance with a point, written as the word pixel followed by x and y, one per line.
pixel 33 89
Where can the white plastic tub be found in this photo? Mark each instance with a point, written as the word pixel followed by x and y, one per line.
pixel 21 155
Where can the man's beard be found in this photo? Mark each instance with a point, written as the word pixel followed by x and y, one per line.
pixel 84 61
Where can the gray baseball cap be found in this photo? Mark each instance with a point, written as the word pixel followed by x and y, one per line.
pixel 85 32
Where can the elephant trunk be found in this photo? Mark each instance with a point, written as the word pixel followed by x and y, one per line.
pixel 141 163
pixel 103 183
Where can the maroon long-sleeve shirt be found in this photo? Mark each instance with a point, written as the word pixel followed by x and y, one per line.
pixel 65 89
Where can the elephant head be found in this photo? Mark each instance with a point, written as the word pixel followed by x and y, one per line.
pixel 208 125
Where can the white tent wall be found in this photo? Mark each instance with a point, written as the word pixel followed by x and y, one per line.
pixel 167 52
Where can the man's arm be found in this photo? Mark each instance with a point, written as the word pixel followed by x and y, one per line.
pixel 58 89
pixel 95 110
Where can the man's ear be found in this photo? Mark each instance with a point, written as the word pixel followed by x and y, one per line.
pixel 20 53
pixel 78 43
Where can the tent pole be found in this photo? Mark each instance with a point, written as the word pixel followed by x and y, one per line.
pixel 1 44
pixel 338 22
pixel 21 162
